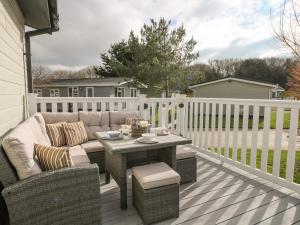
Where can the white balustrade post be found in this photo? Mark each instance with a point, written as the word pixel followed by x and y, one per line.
pixel 142 101
pixel 32 103
pixel 180 99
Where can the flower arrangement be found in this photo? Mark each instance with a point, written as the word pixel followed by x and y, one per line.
pixel 138 128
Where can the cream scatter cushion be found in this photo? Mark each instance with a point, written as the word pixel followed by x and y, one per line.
pixel 56 134
pixel 19 147
pixel 52 158
pixel 40 119
pixel 75 133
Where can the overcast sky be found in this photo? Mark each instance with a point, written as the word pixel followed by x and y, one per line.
pixel 223 28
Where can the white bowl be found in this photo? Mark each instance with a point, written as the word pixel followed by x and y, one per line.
pixel 114 134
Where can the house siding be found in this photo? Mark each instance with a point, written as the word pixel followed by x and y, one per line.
pixel 232 89
pixel 98 91
pixel 12 66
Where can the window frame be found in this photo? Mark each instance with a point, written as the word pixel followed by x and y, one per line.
pixel 134 93
pixel 74 94
pixel 38 91
pixel 93 91
pixel 56 92
pixel 120 90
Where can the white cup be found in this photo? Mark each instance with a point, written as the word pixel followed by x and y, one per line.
pixel 148 137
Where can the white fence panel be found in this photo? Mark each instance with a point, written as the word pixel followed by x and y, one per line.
pixel 218 127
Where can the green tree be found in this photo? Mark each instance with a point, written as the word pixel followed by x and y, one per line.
pixel 271 70
pixel 157 57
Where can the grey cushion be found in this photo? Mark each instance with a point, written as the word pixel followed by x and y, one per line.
pixel 78 155
pixel 155 175
pixel 94 122
pixel 92 146
pixel 116 119
pixel 60 117
pixel 184 152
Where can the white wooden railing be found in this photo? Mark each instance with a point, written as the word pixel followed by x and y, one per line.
pixel 226 137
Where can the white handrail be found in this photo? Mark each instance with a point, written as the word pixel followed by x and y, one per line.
pixel 228 129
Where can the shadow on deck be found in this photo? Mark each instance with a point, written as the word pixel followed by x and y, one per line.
pixel 221 195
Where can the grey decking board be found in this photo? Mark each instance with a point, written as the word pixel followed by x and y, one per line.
pixel 262 194
pixel 269 214
pixel 205 211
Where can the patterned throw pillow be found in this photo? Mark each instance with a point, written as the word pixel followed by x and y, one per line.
pixel 52 158
pixel 132 120
pixel 75 133
pixel 56 134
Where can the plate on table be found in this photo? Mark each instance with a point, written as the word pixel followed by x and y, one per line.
pixel 142 141
pixel 107 137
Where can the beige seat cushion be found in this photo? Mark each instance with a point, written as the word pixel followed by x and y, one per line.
pixel 60 117
pixel 78 155
pixel 92 146
pixel 94 122
pixel 116 119
pixel 184 152
pixel 19 147
pixel 155 175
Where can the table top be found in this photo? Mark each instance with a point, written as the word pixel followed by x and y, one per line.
pixel 129 144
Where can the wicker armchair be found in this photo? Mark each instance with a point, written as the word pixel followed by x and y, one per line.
pixel 67 196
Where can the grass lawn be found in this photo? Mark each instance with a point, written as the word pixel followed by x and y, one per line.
pixel 283 161
pixel 286 121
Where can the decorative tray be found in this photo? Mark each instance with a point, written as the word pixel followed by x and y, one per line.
pixel 140 140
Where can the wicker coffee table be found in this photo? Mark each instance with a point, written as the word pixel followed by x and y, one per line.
pixel 127 152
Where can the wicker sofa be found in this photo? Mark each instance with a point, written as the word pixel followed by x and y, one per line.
pixel 66 196
pixel 94 122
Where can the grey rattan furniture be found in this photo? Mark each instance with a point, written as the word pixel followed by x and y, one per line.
pixel 120 154
pixel 155 192
pixel 99 158
pixel 186 164
pixel 68 196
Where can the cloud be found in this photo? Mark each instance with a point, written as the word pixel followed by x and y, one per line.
pixel 222 28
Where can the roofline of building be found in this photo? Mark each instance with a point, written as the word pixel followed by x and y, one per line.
pixel 236 79
pixel 95 84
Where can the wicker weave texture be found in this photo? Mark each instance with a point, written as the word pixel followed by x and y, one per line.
pixel 187 169
pixel 157 204
pixel 68 196
pixel 8 176
pixel 98 158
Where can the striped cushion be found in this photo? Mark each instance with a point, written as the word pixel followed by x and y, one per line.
pixel 56 134
pixel 75 133
pixel 52 158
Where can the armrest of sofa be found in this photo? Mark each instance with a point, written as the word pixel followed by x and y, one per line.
pixel 66 196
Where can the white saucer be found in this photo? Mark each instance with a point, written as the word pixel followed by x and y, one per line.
pixel 140 140
pixel 107 137
pixel 163 134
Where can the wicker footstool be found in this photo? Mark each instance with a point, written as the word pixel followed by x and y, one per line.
pixel 155 192
pixel 186 164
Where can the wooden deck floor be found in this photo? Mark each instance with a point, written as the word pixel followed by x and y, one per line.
pixel 221 195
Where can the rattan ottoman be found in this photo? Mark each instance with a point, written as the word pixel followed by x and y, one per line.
pixel 155 192
pixel 186 164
